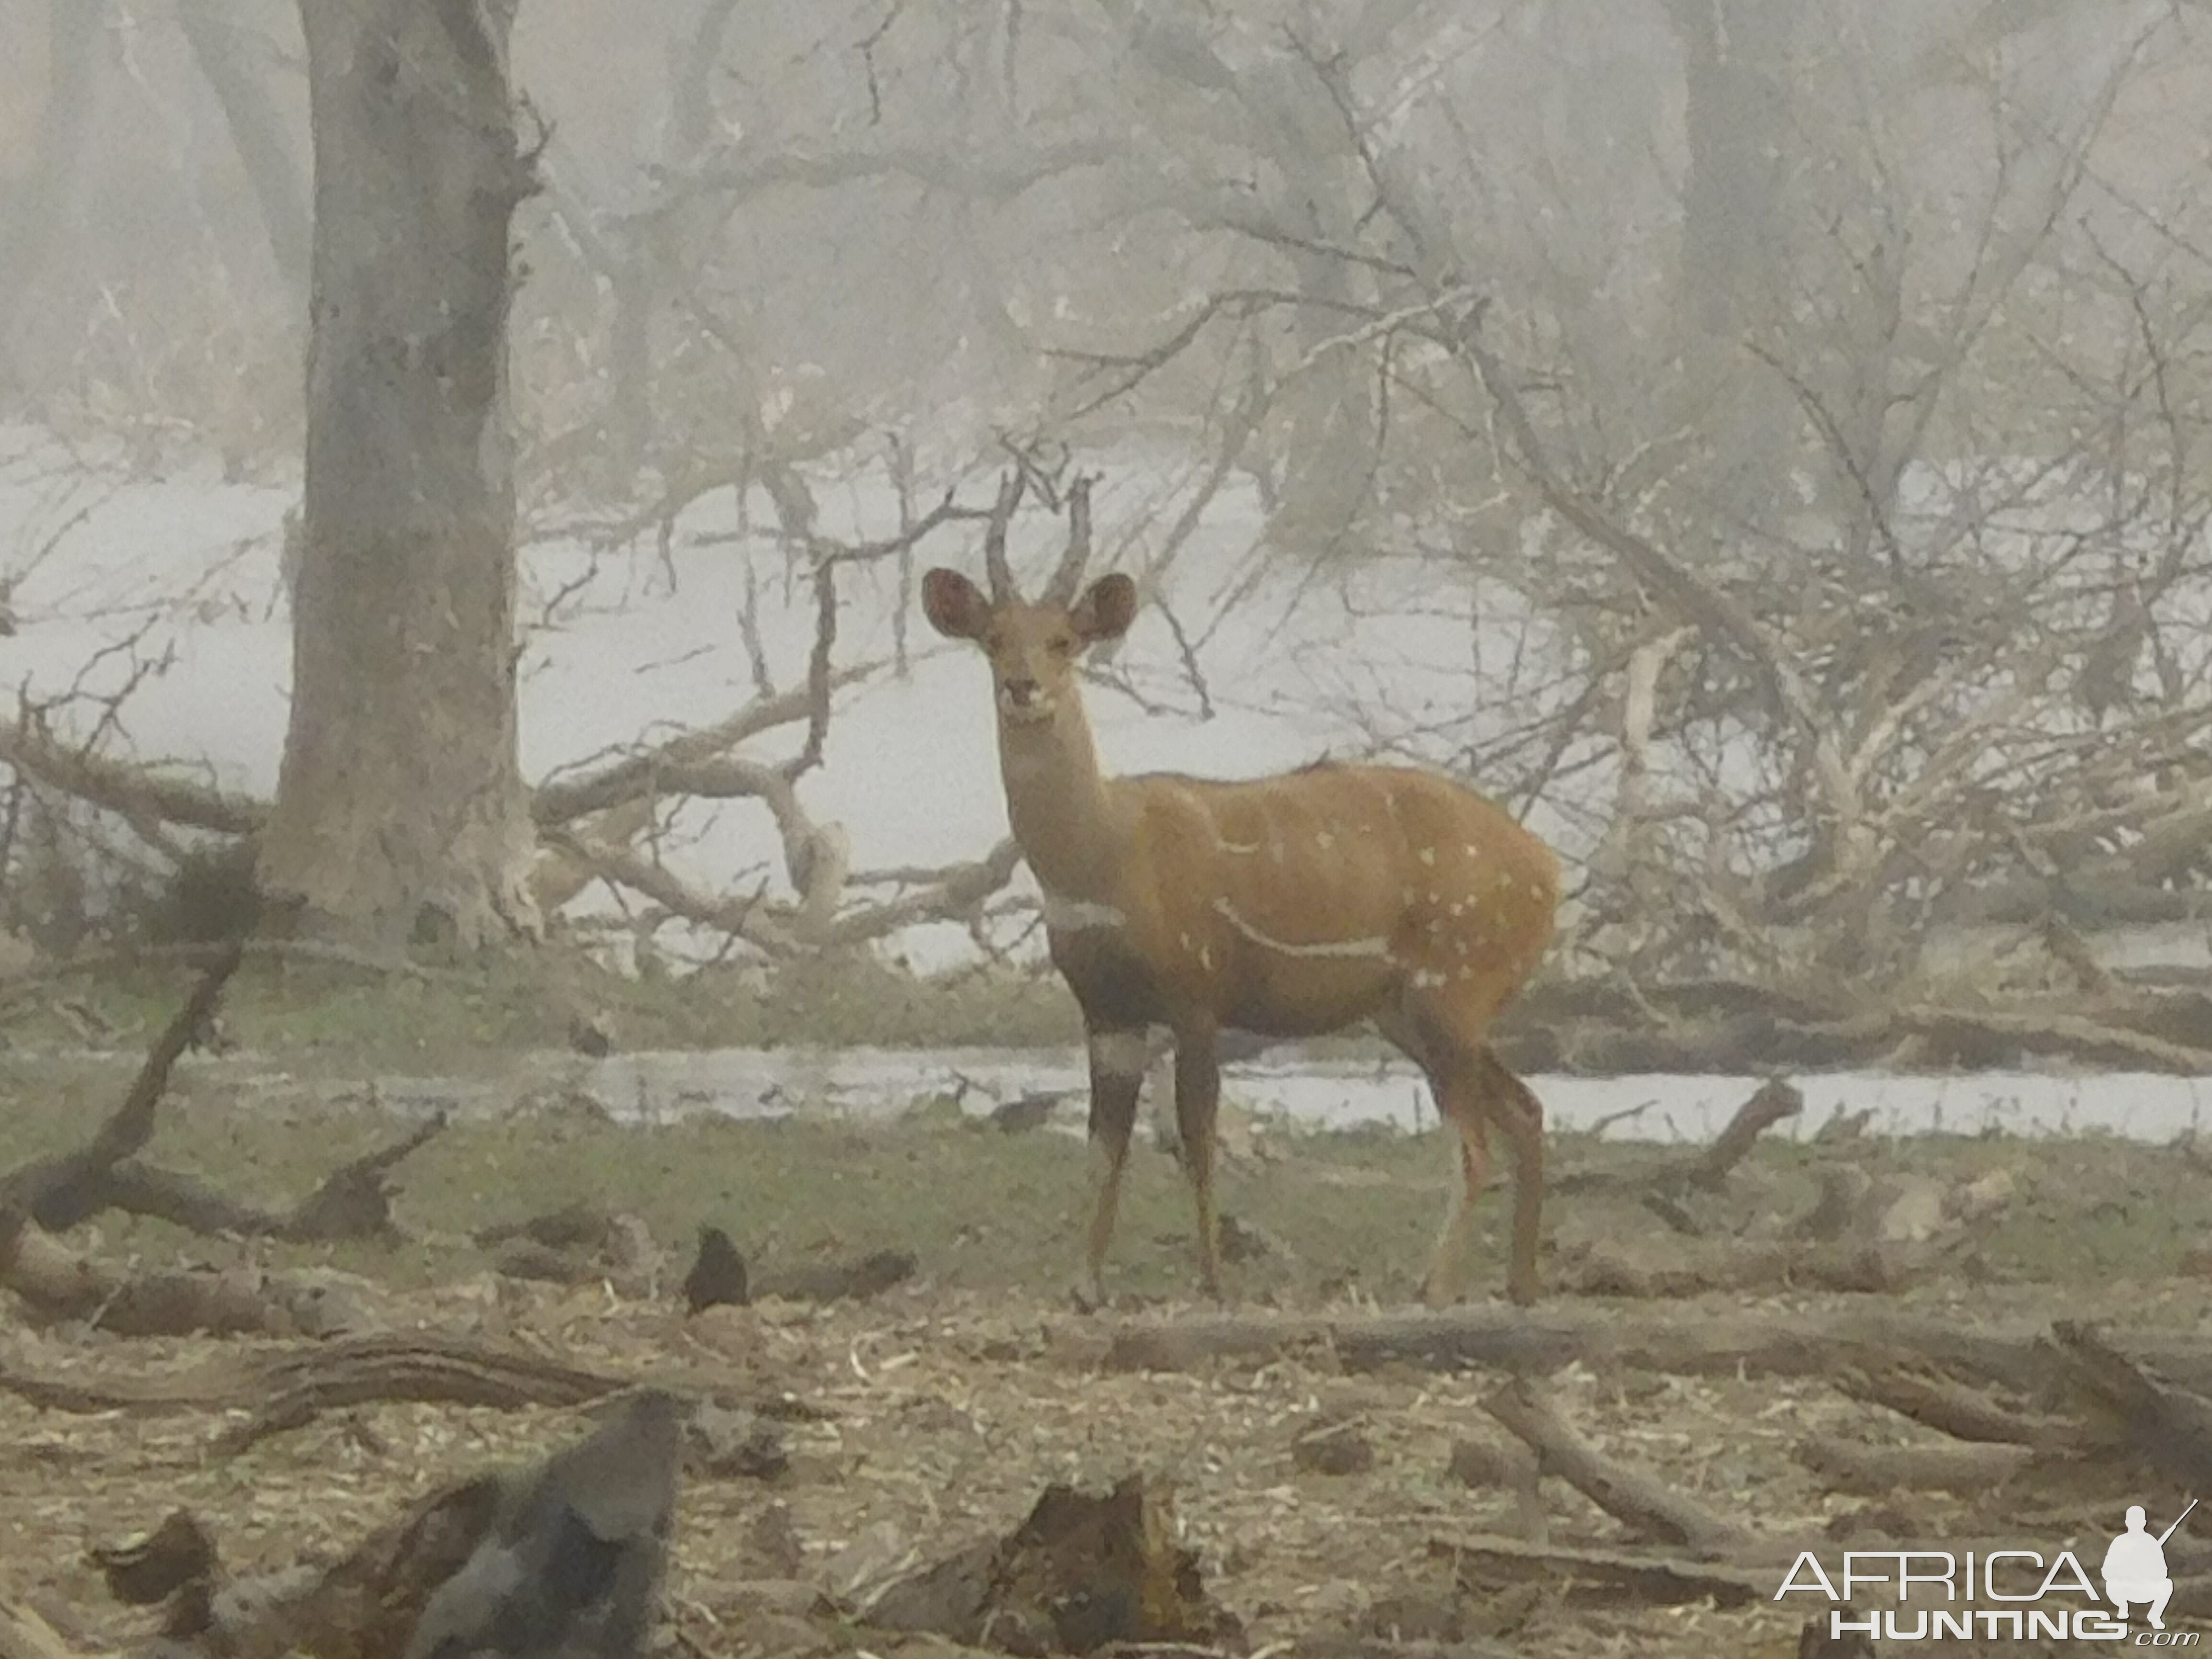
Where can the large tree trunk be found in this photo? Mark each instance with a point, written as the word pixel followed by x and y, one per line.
pixel 400 805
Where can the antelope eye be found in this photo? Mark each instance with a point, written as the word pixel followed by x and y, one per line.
pixel 1063 645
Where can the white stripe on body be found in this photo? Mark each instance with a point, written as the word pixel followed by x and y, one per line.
pixel 1369 947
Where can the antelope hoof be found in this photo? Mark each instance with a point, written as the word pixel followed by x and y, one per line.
pixel 1088 1295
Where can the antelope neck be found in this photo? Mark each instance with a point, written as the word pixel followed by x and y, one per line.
pixel 1058 803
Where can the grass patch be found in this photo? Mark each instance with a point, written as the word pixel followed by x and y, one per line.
pixel 985 1210
pixel 332 1014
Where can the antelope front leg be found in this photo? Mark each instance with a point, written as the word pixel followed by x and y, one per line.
pixel 1198 1095
pixel 1117 1071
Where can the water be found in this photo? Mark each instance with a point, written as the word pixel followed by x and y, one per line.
pixel 1312 1093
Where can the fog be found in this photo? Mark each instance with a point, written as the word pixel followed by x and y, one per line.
pixel 1834 373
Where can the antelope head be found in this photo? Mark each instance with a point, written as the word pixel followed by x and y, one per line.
pixel 1033 648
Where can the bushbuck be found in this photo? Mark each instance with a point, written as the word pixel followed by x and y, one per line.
pixel 1288 906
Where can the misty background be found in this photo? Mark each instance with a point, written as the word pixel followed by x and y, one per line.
pixel 1762 442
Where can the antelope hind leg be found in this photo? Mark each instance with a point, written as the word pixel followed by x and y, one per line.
pixel 1513 1107
pixel 1440 1285
pixel 1198 1098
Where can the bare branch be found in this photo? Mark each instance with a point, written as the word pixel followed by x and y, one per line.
pixel 555 803
pixel 129 790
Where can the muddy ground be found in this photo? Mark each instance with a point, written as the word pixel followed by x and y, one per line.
pixel 949 1401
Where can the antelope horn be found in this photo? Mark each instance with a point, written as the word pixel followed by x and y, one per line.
pixel 1061 590
pixel 995 539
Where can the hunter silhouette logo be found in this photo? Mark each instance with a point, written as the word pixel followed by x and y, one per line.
pixel 2004 1594
pixel 2135 1568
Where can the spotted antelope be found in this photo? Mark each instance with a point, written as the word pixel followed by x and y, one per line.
pixel 1286 906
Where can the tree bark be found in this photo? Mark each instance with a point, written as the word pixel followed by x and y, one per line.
pixel 400 806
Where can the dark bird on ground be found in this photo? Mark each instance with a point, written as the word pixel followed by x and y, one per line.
pixel 175 1554
pixel 572 1562
pixel 718 1275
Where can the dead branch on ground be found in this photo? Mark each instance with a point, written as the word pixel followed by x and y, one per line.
pixel 2166 1426
pixel 1650 1578
pixel 62 1192
pixel 25 1635
pixel 1855 1467
pixel 1706 1169
pixel 133 792
pixel 288 1387
pixel 1687 1267
pixel 55 1283
pixel 58 1192
pixel 2012 1354
pixel 1633 1497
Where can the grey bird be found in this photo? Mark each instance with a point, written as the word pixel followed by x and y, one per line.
pixel 572 1561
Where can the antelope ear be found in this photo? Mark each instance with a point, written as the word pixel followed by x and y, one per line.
pixel 1105 611
pixel 955 607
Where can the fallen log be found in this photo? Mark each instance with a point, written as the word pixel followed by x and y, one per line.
pixel 25 1635
pixel 1856 1467
pixel 1543 1339
pixel 289 1386
pixel 1688 1268
pixel 352 1203
pixel 1485 1563
pixel 1634 1498
pixel 1708 1168
pixel 1963 1410
pixel 856 1280
pixel 55 1282
pixel 59 1192
pixel 2166 1426
pixel 62 1192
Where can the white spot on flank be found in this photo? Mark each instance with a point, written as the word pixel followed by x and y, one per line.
pixel 1459 907
pixel 1428 855
pixel 1072 915
pixel 1324 841
pixel 1205 956
pixel 1349 947
pixel 1120 1053
pixel 1237 845
pixel 1471 849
